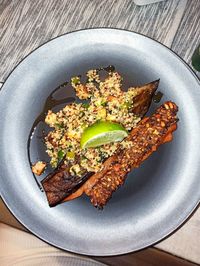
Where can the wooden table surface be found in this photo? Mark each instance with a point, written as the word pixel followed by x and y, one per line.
pixel 25 24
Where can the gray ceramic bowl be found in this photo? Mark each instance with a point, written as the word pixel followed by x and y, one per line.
pixel 156 198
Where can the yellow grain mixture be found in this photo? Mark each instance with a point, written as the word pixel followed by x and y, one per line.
pixel 101 100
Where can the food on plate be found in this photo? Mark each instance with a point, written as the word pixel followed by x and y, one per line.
pixel 38 167
pixel 98 139
pixel 144 139
pixel 101 102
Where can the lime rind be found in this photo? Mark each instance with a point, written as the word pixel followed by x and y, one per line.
pixel 105 138
pixel 102 132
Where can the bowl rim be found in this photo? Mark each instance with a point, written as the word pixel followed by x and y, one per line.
pixel 188 216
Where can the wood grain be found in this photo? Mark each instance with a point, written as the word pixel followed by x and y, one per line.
pixel 23 249
pixel 25 24
pixel 7 217
pixel 17 246
pixel 186 241
pixel 147 257
pixel 187 37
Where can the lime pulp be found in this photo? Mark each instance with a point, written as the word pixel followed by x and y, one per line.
pixel 102 132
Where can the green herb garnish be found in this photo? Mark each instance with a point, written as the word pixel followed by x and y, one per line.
pixel 75 80
pixel 61 154
pixel 58 125
pixel 126 105
pixel 85 105
pixel 104 103
pixel 83 157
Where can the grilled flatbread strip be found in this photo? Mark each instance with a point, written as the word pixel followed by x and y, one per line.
pixel 146 137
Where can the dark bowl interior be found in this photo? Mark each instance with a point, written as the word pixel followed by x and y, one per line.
pixel 156 198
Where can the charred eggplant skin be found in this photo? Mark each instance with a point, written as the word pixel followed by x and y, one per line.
pixel 151 132
pixel 143 98
pixel 61 183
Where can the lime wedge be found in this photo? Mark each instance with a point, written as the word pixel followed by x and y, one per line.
pixel 102 132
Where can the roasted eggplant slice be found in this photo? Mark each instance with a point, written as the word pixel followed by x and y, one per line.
pixel 61 183
pixel 143 97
